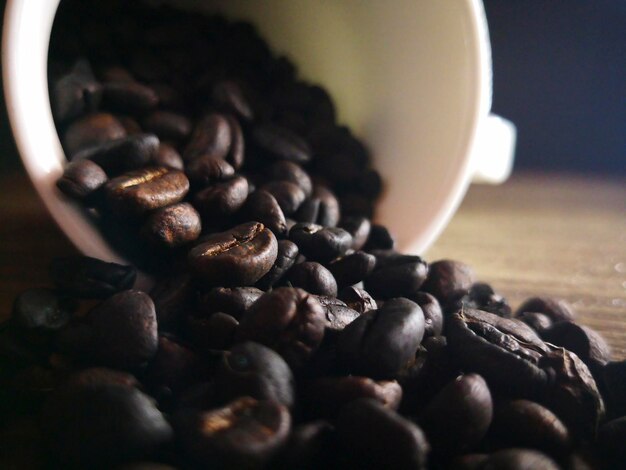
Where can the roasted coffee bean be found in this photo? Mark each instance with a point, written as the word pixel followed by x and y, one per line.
pixel 97 426
pixel 432 313
pixel 42 309
pixel 287 254
pixel 246 433
pixel 459 416
pixel 168 156
pixel 121 155
pixel 174 366
pixel 537 321
pixel 92 129
pixel 288 195
pixel 173 298
pixel 253 370
pixel 319 243
pixel 285 170
pixel 229 96
pixel 123 330
pixel 359 228
pixel 206 169
pixel 308 211
pixel 310 446
pixel 288 320
pixel 169 97
pixel 131 126
pixel 379 239
pixel 262 206
pixel 523 423
pixel 81 179
pixel 329 212
pixel 447 279
pixel 91 278
pixel 556 309
pixel 223 198
pixel 379 343
pixel 518 459
pixel 612 380
pixel 484 343
pixel 236 154
pixel 211 136
pixel 313 278
pixel 482 296
pixel 234 301
pixel 167 125
pixel 586 343
pixel 352 268
pixel 338 317
pixel 359 299
pixel 398 276
pixel 367 431
pixel 611 443
pixel 76 93
pixel 216 332
pixel 147 189
pixel 324 397
pixel 281 143
pixel 238 257
pixel 128 97
pixel 173 226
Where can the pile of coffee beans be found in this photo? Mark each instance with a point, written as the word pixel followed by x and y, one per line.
pixel 284 330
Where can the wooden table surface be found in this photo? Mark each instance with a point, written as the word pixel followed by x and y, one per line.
pixel 555 235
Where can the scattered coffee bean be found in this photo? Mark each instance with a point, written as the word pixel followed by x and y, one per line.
pixel 447 279
pixel 211 137
pixel 92 129
pixel 263 206
pixel 81 179
pixel 169 157
pixel 288 195
pixel 357 299
pixel 537 321
pixel 173 225
pixel 285 259
pixel 359 228
pixel 313 278
pixel 432 313
pixel 320 243
pixel 167 125
pixel 235 301
pixel 121 155
pixel 222 199
pixel 132 98
pixel 352 269
pixel 206 169
pixel 556 309
pixel 291 172
pixel 581 340
pixel 379 239
pixel 229 96
pixel 281 143
pixel 396 276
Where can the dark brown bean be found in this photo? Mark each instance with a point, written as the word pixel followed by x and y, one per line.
pixel 359 228
pixel 281 143
pixel 229 96
pixel 379 239
pixel 286 258
pixel 320 243
pixel 223 198
pixel 357 299
pixel 128 97
pixel 397 276
pixel 81 179
pixel 236 154
pixel 432 313
pixel 262 206
pixel 92 129
pixel 167 125
pixel 168 156
pixel 288 195
pixel 174 366
pixel 234 301
pixel 353 268
pixel 447 278
pixel 537 321
pixel 211 136
pixel 173 298
pixel 313 278
pixel 121 155
pixel 556 309
pixel 205 170
pixel 238 257
pixel 285 170
pixel 586 343
pixel 173 226
pixel 329 212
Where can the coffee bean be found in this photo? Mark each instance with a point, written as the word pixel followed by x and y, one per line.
pixel 147 189
pixel 205 170
pixel 329 212
pixel 42 309
pixel 482 296
pixel 236 154
pixel 324 397
pixel 128 97
pixel 81 179
pixel 238 257
pixel 246 433
pixel 367 430
pixel 167 125
pixel 313 278
pixel 288 320
pixel 222 199
pixel 130 125
pixel 174 366
pixel 287 254
pixel 459 416
pixel 519 459
pixel 338 317
pixel 379 239
pixel 288 195
pixel 234 301
pixel 75 93
pixel 320 243
pixel 99 426
pixel 447 278
pixel 285 170
pixel 353 268
pixel 124 330
pixel 262 206
pixel 168 156
pixel 211 136
pixel 253 370
pixel 556 309
pixel 380 342
pixel 396 276
pixel 92 129
pixel 523 423
pixel 586 343
pixel 432 313
pixel 308 211
pixel 612 380
pixel 216 332
pixel 537 321
pixel 359 228
pixel 359 299
pixel 281 143
pixel 229 96
pixel 124 154
pixel 173 298
pixel 173 226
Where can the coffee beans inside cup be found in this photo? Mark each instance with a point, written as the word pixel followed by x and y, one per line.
pixel 284 330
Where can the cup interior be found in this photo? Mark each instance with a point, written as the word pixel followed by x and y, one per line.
pixel 412 80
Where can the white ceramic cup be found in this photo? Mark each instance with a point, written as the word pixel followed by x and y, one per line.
pixel 411 77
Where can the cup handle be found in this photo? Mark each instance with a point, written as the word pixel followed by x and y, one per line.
pixel 494 149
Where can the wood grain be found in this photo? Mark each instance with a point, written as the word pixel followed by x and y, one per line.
pixel 555 235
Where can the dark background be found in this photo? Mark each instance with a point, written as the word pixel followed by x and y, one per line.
pixel 559 73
